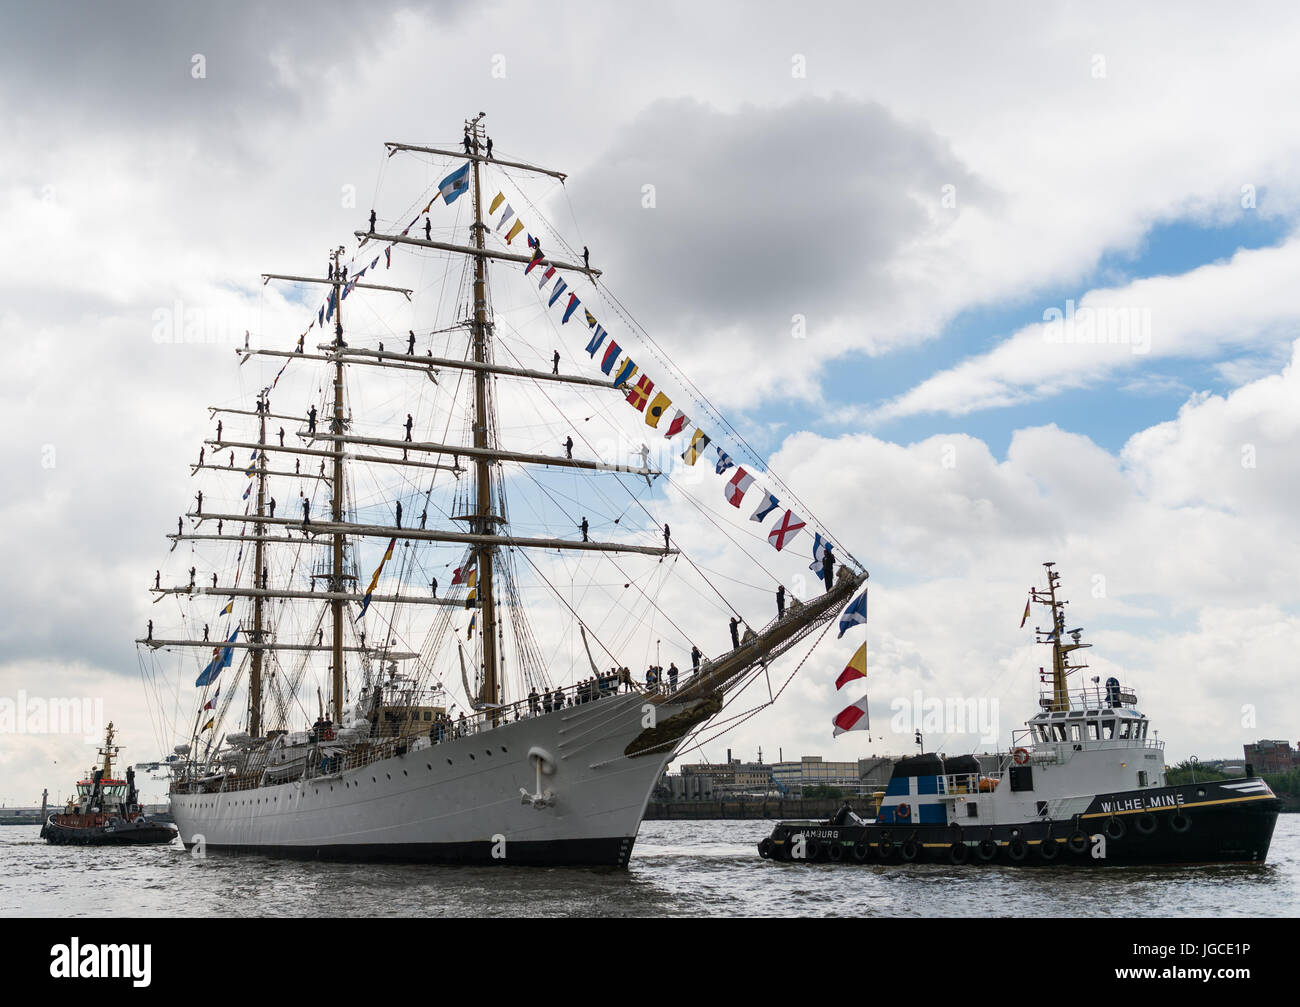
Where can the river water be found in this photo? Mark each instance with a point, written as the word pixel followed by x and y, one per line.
pixel 677 869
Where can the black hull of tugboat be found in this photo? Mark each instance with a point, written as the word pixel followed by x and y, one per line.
pixel 1116 831
pixel 125 834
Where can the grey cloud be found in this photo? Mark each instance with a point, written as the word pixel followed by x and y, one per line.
pixel 816 197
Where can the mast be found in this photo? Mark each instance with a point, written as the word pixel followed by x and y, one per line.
pixel 259 561
pixel 483 519
pixel 1061 666
pixel 336 498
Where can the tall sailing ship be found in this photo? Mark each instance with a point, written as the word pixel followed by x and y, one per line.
pixel 422 717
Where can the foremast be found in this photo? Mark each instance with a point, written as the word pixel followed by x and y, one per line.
pixel 1061 666
pixel 259 564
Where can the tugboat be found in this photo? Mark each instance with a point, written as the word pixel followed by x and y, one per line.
pixel 1083 784
pixel 106 810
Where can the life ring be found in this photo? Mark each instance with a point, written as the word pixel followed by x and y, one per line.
pixel 1145 823
pixel 903 811
pixel 987 849
pixel 958 853
pixel 811 849
pixel 1021 756
pixel 910 850
pixel 861 851
pixel 1114 828
pixel 1016 849
pixel 1180 822
pixel 835 851
pixel 1078 841
pixel 1048 848
pixel 765 848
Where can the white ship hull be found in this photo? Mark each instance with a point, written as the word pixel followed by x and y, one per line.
pixel 458 801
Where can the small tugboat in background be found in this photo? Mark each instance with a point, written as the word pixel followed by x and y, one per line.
pixel 106 810
pixel 1083 784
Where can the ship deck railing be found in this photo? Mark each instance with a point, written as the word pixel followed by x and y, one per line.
pixel 1094 699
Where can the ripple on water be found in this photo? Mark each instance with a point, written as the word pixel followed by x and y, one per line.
pixel 677 869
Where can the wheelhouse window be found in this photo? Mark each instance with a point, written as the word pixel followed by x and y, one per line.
pixel 1107 729
pixel 1125 729
pixel 1094 732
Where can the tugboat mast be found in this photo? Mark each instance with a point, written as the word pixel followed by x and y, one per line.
pixel 1061 667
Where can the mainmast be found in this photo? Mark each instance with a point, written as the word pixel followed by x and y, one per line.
pixel 336 496
pixel 483 518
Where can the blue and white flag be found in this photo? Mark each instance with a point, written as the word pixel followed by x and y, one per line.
pixel 220 659
pixel 451 187
pixel 819 550
pixel 768 504
pixel 596 340
pixel 855 614
pixel 724 462
pixel 560 285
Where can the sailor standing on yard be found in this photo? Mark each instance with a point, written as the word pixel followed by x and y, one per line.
pixel 735 633
pixel 695 659
pixel 780 601
pixel 828 567
pixel 583 528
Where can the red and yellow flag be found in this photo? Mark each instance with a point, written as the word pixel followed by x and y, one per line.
pixel 855 669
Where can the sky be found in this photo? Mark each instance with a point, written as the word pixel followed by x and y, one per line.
pixel 987 285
